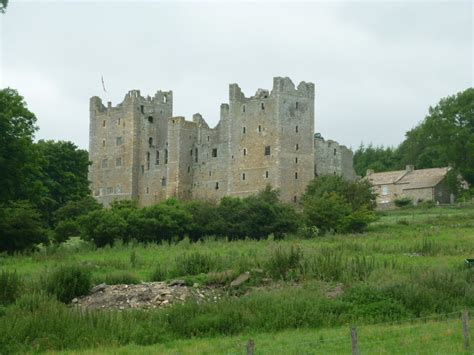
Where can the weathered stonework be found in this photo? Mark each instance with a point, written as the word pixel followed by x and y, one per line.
pixel 140 151
pixel 331 158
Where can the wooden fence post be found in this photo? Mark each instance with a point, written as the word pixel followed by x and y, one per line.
pixel 355 345
pixel 465 329
pixel 250 347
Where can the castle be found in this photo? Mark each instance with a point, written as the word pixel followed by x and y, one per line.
pixel 140 151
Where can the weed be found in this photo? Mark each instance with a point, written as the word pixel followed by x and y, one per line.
pixel 68 282
pixel 10 287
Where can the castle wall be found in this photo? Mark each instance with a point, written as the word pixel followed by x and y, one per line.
pixel 331 158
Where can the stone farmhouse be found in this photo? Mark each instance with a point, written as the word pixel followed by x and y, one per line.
pixel 140 151
pixel 418 185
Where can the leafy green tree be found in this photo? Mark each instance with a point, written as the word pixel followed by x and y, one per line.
pixel 326 212
pixel 19 168
pixel 102 227
pixel 20 227
pixel 3 6
pixel 376 158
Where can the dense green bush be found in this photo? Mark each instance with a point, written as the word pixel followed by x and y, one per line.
pixel 68 282
pixel 403 202
pixel 10 287
pixel 102 227
pixel 21 228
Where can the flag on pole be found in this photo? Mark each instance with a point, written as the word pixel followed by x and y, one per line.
pixel 103 84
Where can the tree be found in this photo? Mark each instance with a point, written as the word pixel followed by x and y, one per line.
pixel 19 168
pixel 20 227
pixel 445 137
pixel 3 6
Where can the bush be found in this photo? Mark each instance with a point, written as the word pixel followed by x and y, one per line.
pixel 10 287
pixel 121 278
pixel 194 264
pixel 403 202
pixel 102 227
pixel 20 228
pixel 326 213
pixel 160 273
pixel 68 282
pixel 66 229
pixel 285 264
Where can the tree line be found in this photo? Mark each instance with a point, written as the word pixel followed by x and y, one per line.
pixel 445 137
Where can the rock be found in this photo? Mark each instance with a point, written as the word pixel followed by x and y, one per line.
pixel 98 288
pixel 75 300
pixel 240 280
pixel 258 271
pixel 195 285
pixel 177 283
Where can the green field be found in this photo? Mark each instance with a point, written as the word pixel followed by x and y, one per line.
pixel 408 265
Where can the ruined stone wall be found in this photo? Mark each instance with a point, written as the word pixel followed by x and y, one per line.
pixel 331 158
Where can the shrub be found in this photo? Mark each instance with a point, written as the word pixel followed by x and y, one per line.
pixel 10 287
pixel 68 282
pixel 357 221
pixel 285 264
pixel 21 228
pixel 160 273
pixel 121 278
pixel 309 232
pixel 326 213
pixel 66 229
pixel 403 202
pixel 102 227
pixel 194 264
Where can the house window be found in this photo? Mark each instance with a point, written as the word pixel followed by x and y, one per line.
pixel 118 162
pixel 163 182
pixel 150 119
pixel 110 190
pixel 384 190
pixel 150 142
pixel 296 175
pixel 105 163
pixel 214 152
pixel 166 156
pixel 243 176
pixel 217 186
pixel 157 159
pixel 118 141
pixel 267 150
pixel 266 174
pixel 118 189
pixel 243 130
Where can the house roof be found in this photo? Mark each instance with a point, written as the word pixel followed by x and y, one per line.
pixel 413 179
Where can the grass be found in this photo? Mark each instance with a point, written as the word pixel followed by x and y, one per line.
pixel 393 272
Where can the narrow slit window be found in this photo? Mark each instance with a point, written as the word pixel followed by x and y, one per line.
pixel 296 175
pixel 243 176
pixel 157 159
pixel 103 123
pixel 245 152
pixel 217 186
pixel 296 129
pixel 142 109
pixel 150 142
pixel 196 155
pixel 262 106
pixel 296 160
pixel 335 151
pixel 243 130
pixel 166 156
pixel 147 160
pixel 267 150
pixel 297 147
pixel 243 108
pixel 103 143
pixel 259 128
pixel 266 174
pixel 214 152
pixel 296 105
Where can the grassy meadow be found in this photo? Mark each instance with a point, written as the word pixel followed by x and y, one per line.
pixel 302 296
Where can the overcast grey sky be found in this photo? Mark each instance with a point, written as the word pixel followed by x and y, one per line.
pixel 377 66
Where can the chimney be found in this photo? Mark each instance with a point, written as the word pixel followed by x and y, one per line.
pixel 369 172
pixel 409 168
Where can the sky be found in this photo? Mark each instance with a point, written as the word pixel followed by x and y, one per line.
pixel 376 66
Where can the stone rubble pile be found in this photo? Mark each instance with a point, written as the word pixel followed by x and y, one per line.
pixel 147 295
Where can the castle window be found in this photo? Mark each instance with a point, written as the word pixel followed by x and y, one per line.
pixel 297 147
pixel 294 198
pixel 118 162
pixel 189 169
pixel 163 182
pixel 150 142
pixel 147 160
pixel 110 190
pixel 118 189
pixel 118 123
pixel 243 176
pixel 165 99
pixel 103 143
pixel 296 105
pixel 296 129
pixel 217 186
pixel 296 175
pixel 105 163
pixel 166 156
pixel 296 160
pixel 208 138
pixel 150 119
pixel 243 130
pixel 243 108
pixel 210 173
pixel 118 141
pixel 262 106
pixel 245 152
pixel 196 155
pixel 157 159
pixel 142 168
pixel 214 152
pixel 191 152
pixel 142 109
pixel 147 190
pixel 103 123
pixel 334 151
pixel 267 150
pixel 266 174
pixel 259 128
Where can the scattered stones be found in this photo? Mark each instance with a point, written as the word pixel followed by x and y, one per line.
pixel 240 280
pixel 177 283
pixel 147 295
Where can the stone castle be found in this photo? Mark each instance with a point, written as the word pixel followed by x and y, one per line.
pixel 140 151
